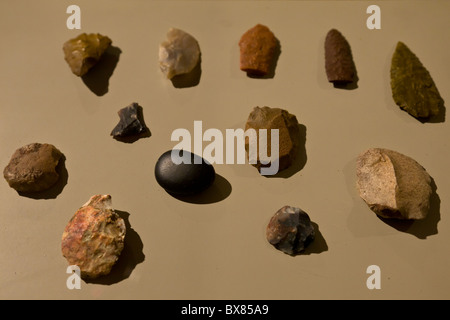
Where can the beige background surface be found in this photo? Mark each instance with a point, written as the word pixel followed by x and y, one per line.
pixel 217 249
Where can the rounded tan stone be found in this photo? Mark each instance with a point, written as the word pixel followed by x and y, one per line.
pixel 393 185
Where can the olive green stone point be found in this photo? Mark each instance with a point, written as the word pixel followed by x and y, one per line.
pixel 413 89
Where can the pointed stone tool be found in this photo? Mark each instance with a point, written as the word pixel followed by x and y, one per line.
pixel 413 89
pixel 339 64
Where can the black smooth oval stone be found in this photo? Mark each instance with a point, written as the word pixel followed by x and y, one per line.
pixel 184 178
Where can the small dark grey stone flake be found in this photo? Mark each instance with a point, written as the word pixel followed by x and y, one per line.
pixel 131 122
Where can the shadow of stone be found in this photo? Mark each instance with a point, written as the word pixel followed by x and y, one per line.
pixel 273 66
pixel 132 254
pixel 299 161
pixel 318 245
pixel 97 78
pixel 190 79
pixel 420 228
pixel 56 189
pixel 218 191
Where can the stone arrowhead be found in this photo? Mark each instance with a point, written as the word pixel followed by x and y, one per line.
pixel 413 89
pixel 84 51
pixel 393 185
pixel 339 64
